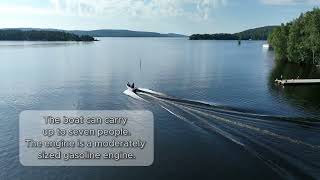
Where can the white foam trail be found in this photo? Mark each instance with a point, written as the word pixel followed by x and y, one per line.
pixel 151 91
pixel 216 129
pixel 178 116
pixel 251 126
pixel 162 94
pixel 132 94
pixel 259 130
pixel 219 131
pixel 266 132
pixel 205 102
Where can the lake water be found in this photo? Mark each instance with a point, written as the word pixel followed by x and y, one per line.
pixel 221 115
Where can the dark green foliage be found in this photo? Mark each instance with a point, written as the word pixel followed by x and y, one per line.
pixel 213 37
pixel 261 33
pixel 299 40
pixel 33 35
pixel 86 38
pixel 280 41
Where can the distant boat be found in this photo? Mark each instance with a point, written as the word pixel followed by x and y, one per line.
pixel 266 46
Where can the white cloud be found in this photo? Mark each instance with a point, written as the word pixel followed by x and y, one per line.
pixel 205 6
pixel 138 8
pixel 125 9
pixel 290 2
pixel 24 10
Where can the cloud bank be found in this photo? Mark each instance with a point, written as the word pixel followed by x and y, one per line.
pixel 138 8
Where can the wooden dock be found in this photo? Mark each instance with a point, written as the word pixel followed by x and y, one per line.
pixel 297 81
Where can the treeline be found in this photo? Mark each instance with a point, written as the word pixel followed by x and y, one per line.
pixel 123 33
pixel 35 35
pixel 261 33
pixel 220 36
pixel 298 41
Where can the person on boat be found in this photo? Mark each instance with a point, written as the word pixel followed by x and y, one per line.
pixel 130 85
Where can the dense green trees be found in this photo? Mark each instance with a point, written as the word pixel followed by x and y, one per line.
pixel 261 33
pixel 221 36
pixel 279 40
pixel 35 35
pixel 299 40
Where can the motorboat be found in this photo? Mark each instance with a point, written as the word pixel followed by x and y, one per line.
pixel 131 87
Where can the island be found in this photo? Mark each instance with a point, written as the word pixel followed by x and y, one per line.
pixel 123 33
pixel 104 32
pixel 260 33
pixel 41 35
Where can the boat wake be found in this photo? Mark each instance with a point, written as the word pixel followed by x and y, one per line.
pixel 290 146
pixel 132 94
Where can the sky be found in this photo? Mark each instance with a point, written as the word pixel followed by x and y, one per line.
pixel 165 16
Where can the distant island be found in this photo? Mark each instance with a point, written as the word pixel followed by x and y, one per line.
pixel 260 33
pixel 41 35
pixel 105 32
pixel 38 34
pixel 299 40
pixel 123 33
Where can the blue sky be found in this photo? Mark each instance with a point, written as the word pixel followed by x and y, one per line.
pixel 178 16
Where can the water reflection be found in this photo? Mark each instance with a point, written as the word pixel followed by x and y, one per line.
pixel 305 96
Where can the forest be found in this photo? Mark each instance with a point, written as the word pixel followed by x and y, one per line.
pixel 260 33
pixel 41 35
pixel 299 40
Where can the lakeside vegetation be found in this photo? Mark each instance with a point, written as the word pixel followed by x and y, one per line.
pixel 260 33
pixel 41 35
pixel 219 36
pixel 299 40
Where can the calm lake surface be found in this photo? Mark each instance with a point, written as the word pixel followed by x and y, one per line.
pixel 251 129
